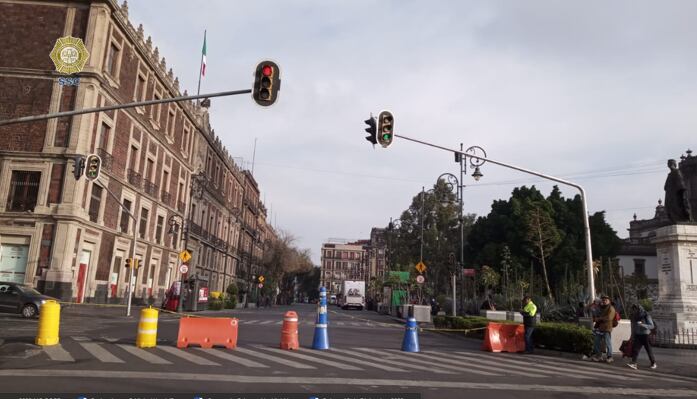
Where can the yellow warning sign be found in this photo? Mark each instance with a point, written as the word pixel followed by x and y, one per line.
pixel 185 256
pixel 420 267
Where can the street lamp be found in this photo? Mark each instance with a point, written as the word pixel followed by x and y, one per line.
pixel 197 183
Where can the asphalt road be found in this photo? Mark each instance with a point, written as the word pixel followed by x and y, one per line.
pixel 97 354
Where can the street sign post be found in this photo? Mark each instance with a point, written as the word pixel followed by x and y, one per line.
pixel 260 285
pixel 420 279
pixel 261 279
pixel 183 269
pixel 469 272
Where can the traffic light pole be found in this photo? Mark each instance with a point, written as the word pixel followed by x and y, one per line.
pixel 589 250
pixel 133 246
pixel 35 118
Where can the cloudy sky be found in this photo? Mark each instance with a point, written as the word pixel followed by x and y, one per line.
pixel 601 93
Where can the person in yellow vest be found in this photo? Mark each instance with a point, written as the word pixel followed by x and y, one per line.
pixel 529 311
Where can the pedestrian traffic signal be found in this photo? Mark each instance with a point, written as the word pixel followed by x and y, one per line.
pixel 93 167
pixel 267 83
pixel 385 128
pixel 78 166
pixel 371 129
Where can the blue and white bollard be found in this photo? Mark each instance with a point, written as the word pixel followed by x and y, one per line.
pixel 321 340
pixel 411 336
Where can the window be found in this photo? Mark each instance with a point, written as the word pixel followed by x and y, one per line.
pixel 143 222
pixel 170 123
pixel 104 137
pixel 158 228
pixel 112 59
pixel 155 109
pixel 125 219
pixel 95 202
pixel 185 139
pixel 165 182
pixel 24 190
pixel 134 158
pixel 640 267
pixel 149 170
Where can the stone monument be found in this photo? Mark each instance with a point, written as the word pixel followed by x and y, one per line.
pixel 676 247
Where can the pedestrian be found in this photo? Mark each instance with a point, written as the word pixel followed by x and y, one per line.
pixel 642 324
pixel 529 311
pixel 603 329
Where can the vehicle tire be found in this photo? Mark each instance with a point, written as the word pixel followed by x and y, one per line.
pixel 360 308
pixel 29 310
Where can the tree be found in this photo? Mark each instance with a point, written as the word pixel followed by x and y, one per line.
pixel 282 260
pixel 542 235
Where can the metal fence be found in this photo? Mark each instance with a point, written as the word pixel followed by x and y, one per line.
pixel 671 338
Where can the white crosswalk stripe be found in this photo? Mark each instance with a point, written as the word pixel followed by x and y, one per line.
pixel 405 365
pixel 340 323
pixel 308 358
pixel 143 354
pixel 275 359
pixel 414 358
pixel 267 322
pixel 56 352
pixel 184 354
pixel 100 353
pixel 362 362
pixel 227 355
pixel 248 321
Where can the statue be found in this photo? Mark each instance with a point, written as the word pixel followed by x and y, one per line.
pixel 677 204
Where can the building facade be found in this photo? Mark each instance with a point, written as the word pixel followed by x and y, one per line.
pixel 70 238
pixel 341 262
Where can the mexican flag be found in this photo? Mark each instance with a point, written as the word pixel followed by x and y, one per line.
pixel 203 56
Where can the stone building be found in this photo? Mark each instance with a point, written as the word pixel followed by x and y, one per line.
pixel 343 261
pixel 69 237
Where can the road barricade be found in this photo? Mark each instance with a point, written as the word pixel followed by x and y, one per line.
pixel 504 338
pixel 207 332
pixel 289 332
pixel 49 323
pixel 147 328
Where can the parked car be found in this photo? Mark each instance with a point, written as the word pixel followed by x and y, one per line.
pixel 22 299
pixel 332 300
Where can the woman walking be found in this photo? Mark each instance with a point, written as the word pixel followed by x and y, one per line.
pixel 642 324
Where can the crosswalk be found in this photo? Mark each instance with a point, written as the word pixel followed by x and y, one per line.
pixel 354 359
pixel 312 323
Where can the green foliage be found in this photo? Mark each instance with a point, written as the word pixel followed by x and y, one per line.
pixel 564 337
pixel 647 304
pixel 215 304
pixel 230 301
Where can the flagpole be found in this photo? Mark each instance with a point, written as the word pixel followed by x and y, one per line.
pixel 200 67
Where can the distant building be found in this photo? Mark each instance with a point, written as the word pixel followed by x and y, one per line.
pixel 341 262
pixel 638 254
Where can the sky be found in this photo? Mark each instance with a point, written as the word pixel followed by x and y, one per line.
pixel 601 93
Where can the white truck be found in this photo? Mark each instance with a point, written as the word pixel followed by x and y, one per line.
pixel 352 294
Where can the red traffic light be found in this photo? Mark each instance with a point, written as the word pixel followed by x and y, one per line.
pixel 267 70
pixel 267 83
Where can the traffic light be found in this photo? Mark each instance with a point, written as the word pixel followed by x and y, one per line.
pixel 129 263
pixel 93 167
pixel 136 263
pixel 385 128
pixel 267 83
pixel 78 166
pixel 371 129
pixel 458 157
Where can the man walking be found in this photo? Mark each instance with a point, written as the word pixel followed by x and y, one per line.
pixel 603 329
pixel 529 311
pixel 642 324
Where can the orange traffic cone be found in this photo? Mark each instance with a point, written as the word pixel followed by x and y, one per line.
pixel 289 331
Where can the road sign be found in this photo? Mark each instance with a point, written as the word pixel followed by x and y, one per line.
pixel 183 269
pixel 261 279
pixel 260 285
pixel 469 272
pixel 185 256
pixel 420 267
pixel 420 279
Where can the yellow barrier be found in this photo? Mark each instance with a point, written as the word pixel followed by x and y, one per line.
pixel 49 322
pixel 147 328
pixel 216 294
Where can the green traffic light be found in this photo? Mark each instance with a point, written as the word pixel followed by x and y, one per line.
pixel 386 136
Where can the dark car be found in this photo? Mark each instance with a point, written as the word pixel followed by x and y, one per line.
pixel 19 298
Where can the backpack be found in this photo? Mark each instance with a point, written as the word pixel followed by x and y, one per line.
pixel 616 320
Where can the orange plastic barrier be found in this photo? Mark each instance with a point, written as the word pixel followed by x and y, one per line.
pixel 289 332
pixel 206 332
pixel 504 338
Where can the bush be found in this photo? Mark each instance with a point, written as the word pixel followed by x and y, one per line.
pixel 564 337
pixel 647 304
pixel 231 296
pixel 215 304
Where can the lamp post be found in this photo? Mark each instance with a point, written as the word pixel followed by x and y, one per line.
pixel 197 183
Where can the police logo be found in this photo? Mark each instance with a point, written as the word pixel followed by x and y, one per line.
pixel 69 55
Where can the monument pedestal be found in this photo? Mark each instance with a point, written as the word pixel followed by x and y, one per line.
pixel 676 307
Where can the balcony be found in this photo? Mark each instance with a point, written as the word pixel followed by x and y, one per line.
pixel 150 188
pixel 134 178
pixel 166 198
pixel 107 159
pixel 195 229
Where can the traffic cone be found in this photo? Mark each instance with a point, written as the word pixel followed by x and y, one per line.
pixel 289 332
pixel 321 340
pixel 411 336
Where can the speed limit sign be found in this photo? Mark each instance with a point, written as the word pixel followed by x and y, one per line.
pixel 183 268
pixel 420 279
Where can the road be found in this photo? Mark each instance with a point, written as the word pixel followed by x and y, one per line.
pixel 97 354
